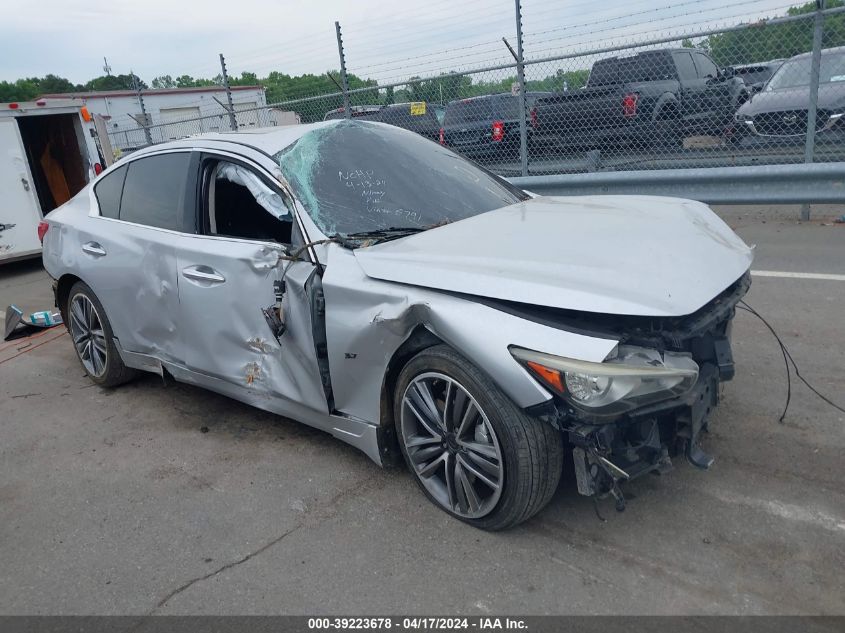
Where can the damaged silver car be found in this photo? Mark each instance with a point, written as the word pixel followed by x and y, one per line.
pixel 368 282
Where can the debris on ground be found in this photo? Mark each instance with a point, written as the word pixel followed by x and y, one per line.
pixel 19 325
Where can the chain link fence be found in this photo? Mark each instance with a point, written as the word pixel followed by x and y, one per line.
pixel 761 93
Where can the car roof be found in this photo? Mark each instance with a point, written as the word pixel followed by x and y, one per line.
pixel 267 140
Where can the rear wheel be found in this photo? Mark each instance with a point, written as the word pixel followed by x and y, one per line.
pixel 473 452
pixel 668 128
pixel 93 338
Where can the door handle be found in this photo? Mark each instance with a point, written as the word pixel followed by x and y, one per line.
pixel 203 274
pixel 25 184
pixel 93 248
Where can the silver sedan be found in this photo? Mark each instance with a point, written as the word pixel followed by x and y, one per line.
pixel 369 282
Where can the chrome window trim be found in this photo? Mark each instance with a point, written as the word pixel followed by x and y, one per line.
pixel 94 207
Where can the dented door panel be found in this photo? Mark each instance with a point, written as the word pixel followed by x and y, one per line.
pixel 223 286
pixel 367 320
pixel 133 268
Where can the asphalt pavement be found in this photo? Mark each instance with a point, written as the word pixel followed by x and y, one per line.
pixel 167 499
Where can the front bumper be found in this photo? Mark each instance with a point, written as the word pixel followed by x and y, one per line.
pixel 645 440
pixel 608 452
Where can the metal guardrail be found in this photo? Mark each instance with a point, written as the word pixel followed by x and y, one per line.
pixel 818 183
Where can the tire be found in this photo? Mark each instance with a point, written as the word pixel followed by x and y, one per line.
pixel 667 129
pixel 483 429
pixel 96 352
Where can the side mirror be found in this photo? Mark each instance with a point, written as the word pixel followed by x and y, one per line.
pixel 727 72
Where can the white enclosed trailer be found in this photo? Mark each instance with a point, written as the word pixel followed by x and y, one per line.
pixel 48 153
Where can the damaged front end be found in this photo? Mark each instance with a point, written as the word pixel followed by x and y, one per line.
pixel 648 401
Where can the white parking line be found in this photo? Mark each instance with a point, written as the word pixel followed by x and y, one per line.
pixel 790 511
pixel 788 275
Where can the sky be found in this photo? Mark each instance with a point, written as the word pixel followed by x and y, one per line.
pixel 385 40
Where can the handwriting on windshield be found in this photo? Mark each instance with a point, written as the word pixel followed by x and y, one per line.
pixel 372 189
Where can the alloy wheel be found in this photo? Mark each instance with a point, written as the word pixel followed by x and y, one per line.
pixel 86 329
pixel 451 445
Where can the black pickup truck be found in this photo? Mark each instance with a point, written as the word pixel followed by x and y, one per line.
pixel 653 97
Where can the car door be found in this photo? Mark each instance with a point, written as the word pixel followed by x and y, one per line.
pixel 128 252
pixel 229 288
pixel 716 91
pixel 691 88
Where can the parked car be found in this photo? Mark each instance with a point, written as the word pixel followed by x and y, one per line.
pixel 362 280
pixel 486 125
pixel 652 97
pixel 755 76
pixel 778 114
pixel 417 116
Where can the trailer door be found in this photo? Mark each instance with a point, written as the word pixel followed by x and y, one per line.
pixel 19 208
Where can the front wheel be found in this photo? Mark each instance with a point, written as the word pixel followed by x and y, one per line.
pixel 473 452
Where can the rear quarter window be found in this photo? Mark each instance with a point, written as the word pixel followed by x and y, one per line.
pixel 108 191
pixel 154 191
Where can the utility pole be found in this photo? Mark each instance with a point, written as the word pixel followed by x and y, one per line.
pixel 106 67
pixel 233 123
pixel 343 78
pixel 146 121
pixel 815 69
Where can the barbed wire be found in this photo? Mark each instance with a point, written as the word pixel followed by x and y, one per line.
pixel 689 14
pixel 628 42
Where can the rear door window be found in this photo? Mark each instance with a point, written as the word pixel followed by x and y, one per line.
pixel 108 191
pixel 154 193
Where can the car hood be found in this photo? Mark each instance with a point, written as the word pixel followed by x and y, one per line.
pixel 632 255
pixel 831 97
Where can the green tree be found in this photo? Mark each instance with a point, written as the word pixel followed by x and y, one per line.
pixel 114 82
pixel 53 84
pixel 163 81
pixel 246 79
pixel 31 87
pixel 569 79
pixel 758 44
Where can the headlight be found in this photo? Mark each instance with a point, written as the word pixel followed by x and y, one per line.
pixel 636 376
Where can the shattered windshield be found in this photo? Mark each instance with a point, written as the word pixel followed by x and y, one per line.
pixel 355 176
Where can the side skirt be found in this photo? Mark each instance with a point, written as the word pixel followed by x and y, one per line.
pixel 358 433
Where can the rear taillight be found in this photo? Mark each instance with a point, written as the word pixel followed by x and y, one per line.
pixel 442 136
pixel 533 115
pixel 42 230
pixel 629 105
pixel 98 169
pixel 498 130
